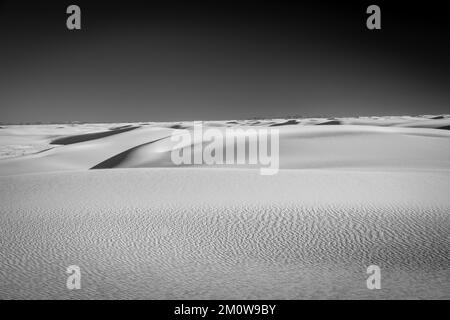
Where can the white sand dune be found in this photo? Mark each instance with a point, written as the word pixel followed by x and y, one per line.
pixel 19 140
pixel 301 146
pixel 366 191
pixel 206 233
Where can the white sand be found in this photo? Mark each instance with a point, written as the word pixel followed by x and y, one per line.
pixel 347 196
pixel 301 146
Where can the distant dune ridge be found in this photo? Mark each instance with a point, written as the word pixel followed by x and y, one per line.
pixel 391 142
pixel 91 136
pixel 350 192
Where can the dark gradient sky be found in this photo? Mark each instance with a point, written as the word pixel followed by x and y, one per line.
pixel 162 61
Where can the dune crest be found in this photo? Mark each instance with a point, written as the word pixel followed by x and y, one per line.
pixel 393 146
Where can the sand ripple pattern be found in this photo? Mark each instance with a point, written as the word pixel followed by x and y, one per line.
pixel 199 234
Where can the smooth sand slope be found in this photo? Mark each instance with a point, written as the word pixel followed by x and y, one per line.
pixel 390 143
pixel 348 195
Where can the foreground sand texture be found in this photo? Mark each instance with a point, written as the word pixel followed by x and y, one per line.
pixel 350 193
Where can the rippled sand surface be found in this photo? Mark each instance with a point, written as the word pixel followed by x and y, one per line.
pixel 190 233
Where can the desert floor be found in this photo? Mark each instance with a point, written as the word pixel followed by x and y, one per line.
pixel 351 192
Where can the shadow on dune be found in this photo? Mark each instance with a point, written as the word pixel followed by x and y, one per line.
pixel 122 127
pixel 178 126
pixel 120 157
pixel 286 123
pixel 91 136
pixel 331 122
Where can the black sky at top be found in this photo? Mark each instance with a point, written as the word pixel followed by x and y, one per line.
pixel 170 60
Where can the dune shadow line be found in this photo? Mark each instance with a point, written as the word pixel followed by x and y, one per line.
pixel 114 161
pixel 286 123
pixel 90 136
